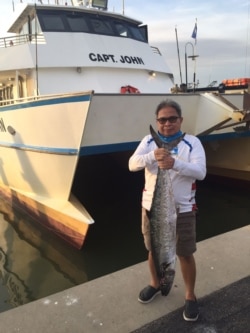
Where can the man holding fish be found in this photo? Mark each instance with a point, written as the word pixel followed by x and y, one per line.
pixel 173 161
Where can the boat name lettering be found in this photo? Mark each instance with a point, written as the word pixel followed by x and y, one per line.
pixel 110 57
pixel 2 126
pixel 101 57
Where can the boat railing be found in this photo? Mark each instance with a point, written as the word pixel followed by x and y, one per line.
pixel 24 99
pixel 156 50
pixel 21 39
pixel 34 98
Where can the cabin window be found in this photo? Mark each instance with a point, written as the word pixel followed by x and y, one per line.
pixel 53 22
pixel 101 26
pixel 137 33
pixel 77 23
pixel 144 31
pixel 122 29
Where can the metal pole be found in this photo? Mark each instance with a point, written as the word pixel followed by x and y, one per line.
pixel 194 75
pixel 186 69
pixel 36 28
pixel 194 68
pixel 188 43
pixel 193 57
pixel 178 52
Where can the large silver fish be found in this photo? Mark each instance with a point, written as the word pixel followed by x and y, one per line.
pixel 162 217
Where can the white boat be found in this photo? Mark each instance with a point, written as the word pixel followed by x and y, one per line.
pixel 77 80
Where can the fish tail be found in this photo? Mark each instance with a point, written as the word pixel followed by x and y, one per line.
pixel 166 280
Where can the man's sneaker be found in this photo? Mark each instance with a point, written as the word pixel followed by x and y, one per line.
pixel 191 310
pixel 148 294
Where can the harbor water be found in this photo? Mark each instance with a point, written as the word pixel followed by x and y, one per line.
pixel 34 263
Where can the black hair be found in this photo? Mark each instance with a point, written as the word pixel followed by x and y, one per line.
pixel 169 103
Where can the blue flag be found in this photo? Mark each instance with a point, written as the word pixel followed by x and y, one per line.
pixel 194 33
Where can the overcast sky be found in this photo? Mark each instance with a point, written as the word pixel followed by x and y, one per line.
pixel 223 34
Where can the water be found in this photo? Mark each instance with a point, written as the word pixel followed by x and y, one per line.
pixel 34 263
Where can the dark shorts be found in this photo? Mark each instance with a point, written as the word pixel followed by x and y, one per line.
pixel 185 233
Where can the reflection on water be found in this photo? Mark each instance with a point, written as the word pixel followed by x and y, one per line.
pixel 34 263
pixel 223 207
pixel 13 289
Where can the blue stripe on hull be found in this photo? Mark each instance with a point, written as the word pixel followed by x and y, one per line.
pixel 111 148
pixel 129 146
pixel 46 150
pixel 224 136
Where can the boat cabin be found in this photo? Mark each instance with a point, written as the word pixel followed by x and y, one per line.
pixel 62 48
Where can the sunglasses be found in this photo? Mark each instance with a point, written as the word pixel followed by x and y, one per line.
pixel 163 120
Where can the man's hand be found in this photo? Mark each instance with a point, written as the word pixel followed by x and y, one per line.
pixel 164 158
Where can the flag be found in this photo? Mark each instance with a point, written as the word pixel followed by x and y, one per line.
pixel 194 33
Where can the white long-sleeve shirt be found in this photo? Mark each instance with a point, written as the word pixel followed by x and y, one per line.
pixel 189 166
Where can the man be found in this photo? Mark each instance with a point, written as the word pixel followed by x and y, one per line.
pixel 186 164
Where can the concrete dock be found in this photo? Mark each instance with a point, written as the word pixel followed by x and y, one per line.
pixel 109 304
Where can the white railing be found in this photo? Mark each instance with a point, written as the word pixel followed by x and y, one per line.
pixel 155 50
pixel 21 39
pixel 41 97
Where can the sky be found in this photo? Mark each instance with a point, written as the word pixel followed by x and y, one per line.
pixel 223 34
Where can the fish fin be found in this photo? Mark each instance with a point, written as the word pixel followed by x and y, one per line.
pixel 174 143
pixel 167 278
pixel 169 146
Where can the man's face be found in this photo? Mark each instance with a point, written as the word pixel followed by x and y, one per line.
pixel 168 121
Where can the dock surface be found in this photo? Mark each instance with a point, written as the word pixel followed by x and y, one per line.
pixel 109 304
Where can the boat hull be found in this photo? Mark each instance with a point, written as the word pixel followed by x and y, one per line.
pixel 123 120
pixel 229 158
pixel 40 141
pixel 64 218
pixel 40 144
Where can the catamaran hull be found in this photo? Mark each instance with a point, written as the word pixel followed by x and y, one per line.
pixel 121 121
pixel 40 144
pixel 57 216
pixel 229 158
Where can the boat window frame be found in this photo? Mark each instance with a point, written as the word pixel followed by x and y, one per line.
pixel 133 30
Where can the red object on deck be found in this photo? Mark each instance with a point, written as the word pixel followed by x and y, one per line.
pixel 236 82
pixel 129 90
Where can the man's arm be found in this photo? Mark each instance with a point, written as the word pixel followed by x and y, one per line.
pixel 142 156
pixel 196 167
